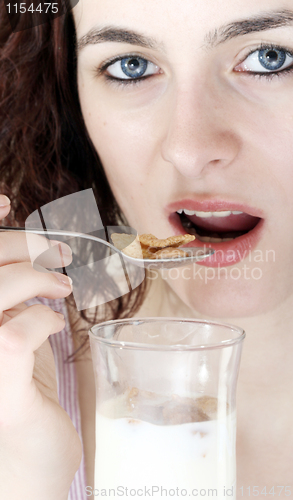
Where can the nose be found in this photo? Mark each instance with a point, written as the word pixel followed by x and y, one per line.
pixel 199 134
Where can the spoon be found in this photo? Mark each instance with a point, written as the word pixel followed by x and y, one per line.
pixel 195 254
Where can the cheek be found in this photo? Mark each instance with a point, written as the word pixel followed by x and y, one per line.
pixel 267 121
pixel 276 149
pixel 125 136
pixel 274 132
pixel 248 290
pixel 126 158
pixel 265 162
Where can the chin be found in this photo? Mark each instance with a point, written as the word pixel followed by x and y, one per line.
pixel 225 299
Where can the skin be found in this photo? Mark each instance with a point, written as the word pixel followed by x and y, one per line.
pixel 30 415
pixel 200 129
pixel 197 129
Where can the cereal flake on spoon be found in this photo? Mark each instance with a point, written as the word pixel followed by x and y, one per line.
pixel 147 246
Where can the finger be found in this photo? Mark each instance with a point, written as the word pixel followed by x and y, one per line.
pixel 21 282
pixel 57 255
pixel 27 331
pixel 19 338
pixel 10 313
pixel 21 247
pixel 4 206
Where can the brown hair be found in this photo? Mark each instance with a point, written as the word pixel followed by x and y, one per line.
pixel 45 150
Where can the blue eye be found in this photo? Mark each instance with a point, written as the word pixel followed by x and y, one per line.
pixel 134 67
pixel 131 68
pixel 272 59
pixel 266 60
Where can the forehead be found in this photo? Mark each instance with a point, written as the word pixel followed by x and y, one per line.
pixel 170 17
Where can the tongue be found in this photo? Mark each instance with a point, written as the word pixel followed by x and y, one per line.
pixel 241 222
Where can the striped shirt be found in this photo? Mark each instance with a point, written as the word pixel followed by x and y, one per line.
pixel 62 347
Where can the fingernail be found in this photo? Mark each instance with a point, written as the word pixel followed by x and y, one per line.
pixel 61 316
pixel 4 200
pixel 63 248
pixel 65 280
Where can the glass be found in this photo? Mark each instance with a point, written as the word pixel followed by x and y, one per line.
pixel 165 407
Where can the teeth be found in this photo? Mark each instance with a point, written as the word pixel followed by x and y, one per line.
pixel 206 215
pixel 207 239
pixel 203 215
pixel 187 212
pixel 216 240
pixel 222 214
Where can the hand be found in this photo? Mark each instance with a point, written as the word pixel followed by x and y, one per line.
pixel 40 450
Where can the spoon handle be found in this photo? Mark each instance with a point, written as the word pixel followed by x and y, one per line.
pixel 194 253
pixel 58 232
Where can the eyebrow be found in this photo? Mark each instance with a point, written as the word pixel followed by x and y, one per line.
pixel 120 35
pixel 260 22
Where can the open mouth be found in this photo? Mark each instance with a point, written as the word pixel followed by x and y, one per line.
pixel 217 227
pixel 233 230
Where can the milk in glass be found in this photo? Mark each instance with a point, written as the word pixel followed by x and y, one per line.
pixel 154 445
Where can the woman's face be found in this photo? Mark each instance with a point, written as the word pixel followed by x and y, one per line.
pixel 190 107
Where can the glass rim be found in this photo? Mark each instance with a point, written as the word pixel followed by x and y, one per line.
pixel 160 347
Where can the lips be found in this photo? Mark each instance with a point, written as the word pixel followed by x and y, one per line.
pixel 232 230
